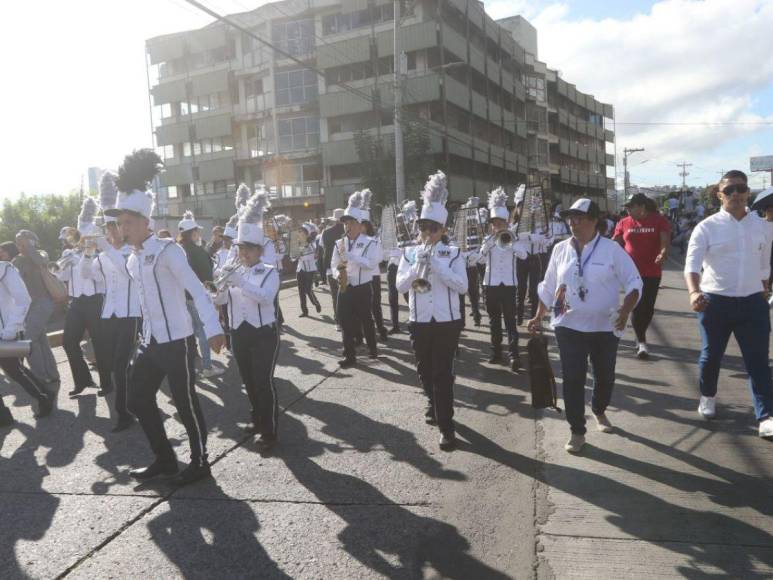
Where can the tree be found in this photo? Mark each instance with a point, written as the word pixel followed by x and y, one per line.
pixel 43 214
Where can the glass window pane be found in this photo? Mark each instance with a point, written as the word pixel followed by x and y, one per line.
pixel 296 78
pixel 312 125
pixel 285 143
pixel 284 127
pixel 281 80
pixel 309 77
pixel 283 97
pixel 296 95
pixel 299 126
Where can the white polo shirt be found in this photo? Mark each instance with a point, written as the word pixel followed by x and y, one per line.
pixel 607 270
pixel 733 254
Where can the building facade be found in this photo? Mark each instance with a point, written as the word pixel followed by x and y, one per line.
pixel 229 109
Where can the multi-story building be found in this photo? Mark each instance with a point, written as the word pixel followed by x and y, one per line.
pixel 229 108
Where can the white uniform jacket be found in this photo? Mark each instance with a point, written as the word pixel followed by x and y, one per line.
pixel 307 261
pixel 251 297
pixel 122 299
pixel 448 276
pixel 14 302
pixel 77 285
pixel 162 273
pixel 500 262
pixel 361 257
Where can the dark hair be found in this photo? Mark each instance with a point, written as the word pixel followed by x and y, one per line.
pixel 163 234
pixel 186 237
pixel 735 174
pixel 10 249
pixel 601 225
pixel 370 229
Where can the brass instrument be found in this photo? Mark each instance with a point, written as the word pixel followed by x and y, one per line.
pixel 343 276
pixel 395 230
pixel 225 278
pixel 297 242
pixel 422 285
pixel 69 259
pixel 273 231
pixel 503 238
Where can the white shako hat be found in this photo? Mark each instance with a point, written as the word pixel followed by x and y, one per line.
pixel 434 198
pixel 354 208
pixel 472 202
pixel 188 222
pixel 108 194
pixel 251 220
pixel 135 175
pixel 89 211
pixel 231 228
pixel 497 204
pixel 764 199
pixel 242 195
pixel 367 196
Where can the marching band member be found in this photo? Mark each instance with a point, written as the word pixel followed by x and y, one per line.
pixel 329 238
pixel 162 274
pixel 355 259
pixel 14 303
pixel 274 253
pixel 307 265
pixel 558 233
pixel 120 316
pixel 222 257
pixel 249 295
pixel 433 274
pixel 530 269
pixel 499 253
pixel 370 231
pixel 409 215
pixel 83 314
pixel 471 258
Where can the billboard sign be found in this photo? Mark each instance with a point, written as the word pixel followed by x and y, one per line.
pixel 764 163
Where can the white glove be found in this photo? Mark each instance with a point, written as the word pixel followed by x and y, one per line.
pixel 9 334
pixel 422 256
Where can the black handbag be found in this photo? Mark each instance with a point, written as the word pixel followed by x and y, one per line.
pixel 542 379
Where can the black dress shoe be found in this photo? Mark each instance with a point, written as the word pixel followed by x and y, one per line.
pixel 477 322
pixel 266 442
pixel 395 330
pixel 347 363
pixel 45 406
pixel 373 354
pixel 448 441
pixel 6 419
pixel 123 424
pixel 429 416
pixel 319 308
pixel 382 332
pixel 78 390
pixel 495 358
pixel 515 363
pixel 104 392
pixel 303 315
pixel 158 468
pixel 250 429
pixel 194 472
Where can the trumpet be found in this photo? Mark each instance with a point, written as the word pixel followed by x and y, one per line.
pixel 226 277
pixel 422 285
pixel 504 238
pixel 69 259
pixel 343 276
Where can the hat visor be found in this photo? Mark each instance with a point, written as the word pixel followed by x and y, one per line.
pixel 348 217
pixel 115 212
pixel 570 212
pixel 248 244
pixel 422 221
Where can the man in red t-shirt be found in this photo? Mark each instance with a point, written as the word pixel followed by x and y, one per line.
pixel 645 235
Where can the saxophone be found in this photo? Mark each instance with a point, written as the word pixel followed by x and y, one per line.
pixel 343 276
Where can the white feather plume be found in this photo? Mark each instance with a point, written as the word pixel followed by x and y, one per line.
pixel 497 198
pixel 366 195
pixel 108 191
pixel 256 206
pixel 242 195
pixel 436 189
pixel 282 220
pixel 188 215
pixel 89 211
pixel 233 222
pixel 355 200
pixel 409 210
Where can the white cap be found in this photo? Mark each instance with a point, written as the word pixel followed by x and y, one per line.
pixel 435 195
pixel 63 233
pixel 338 213
pixel 582 206
pixel 137 202
pixel 188 222
pixel 764 199
pixel 497 204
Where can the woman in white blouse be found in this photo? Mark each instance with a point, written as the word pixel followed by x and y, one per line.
pixel 582 290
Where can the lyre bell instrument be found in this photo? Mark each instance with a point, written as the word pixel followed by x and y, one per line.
pixel 343 275
pixel 468 229
pixel 395 229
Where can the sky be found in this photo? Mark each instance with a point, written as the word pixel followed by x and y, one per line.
pixel 76 93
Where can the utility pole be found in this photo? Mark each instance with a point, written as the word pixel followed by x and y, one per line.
pixel 626 177
pixel 398 98
pixel 684 173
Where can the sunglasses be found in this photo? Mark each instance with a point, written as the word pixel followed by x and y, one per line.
pixel 737 188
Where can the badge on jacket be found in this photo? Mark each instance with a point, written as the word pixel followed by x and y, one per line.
pixel 149 259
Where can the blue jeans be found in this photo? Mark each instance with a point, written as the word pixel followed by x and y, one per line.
pixel 748 319
pixel 201 336
pixel 575 348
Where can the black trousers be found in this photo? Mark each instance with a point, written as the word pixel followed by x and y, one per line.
pixel 306 289
pixel 17 372
pixel 435 344
pixel 333 283
pixel 226 325
pixel 84 315
pixel 354 310
pixel 173 361
pixel 120 337
pixel 473 290
pixel 375 303
pixel 500 303
pixel 394 296
pixel 530 272
pixel 645 309
pixel 279 316
pixel 256 351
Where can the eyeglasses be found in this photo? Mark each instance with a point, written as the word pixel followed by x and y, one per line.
pixel 737 188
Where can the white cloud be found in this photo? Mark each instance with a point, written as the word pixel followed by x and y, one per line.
pixel 683 61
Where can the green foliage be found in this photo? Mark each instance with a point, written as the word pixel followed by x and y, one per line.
pixel 43 214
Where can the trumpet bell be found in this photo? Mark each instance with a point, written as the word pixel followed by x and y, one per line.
pixel 421 286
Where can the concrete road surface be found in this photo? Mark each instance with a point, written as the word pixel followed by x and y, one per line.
pixel 358 488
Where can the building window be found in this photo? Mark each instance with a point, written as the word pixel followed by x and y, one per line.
pixel 296 87
pixel 299 133
pixel 171 192
pixel 295 37
pixel 335 23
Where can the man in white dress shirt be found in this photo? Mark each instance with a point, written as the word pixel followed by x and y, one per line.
pixel 727 270
pixel 435 316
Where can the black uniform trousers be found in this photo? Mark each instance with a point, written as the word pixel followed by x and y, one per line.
pixel 473 290
pixel 333 284
pixel 530 273
pixel 354 310
pixel 256 351
pixel 17 372
pixel 84 315
pixel 394 295
pixel 435 344
pixel 500 303
pixel 174 361
pixel 306 290
pixel 120 337
pixel 375 304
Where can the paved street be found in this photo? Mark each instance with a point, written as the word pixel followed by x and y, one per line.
pixel 358 487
